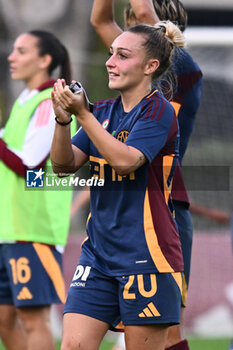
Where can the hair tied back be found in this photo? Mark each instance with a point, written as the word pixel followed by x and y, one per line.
pixel 171 32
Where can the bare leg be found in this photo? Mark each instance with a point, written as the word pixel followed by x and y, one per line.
pixel 11 330
pixel 146 337
pixel 82 332
pixel 36 323
pixel 175 333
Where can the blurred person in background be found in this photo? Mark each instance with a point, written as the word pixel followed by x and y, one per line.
pixel 33 223
pixel 186 95
pixel 130 260
pixel 80 200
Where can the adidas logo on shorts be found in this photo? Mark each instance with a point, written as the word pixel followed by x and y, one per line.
pixel 149 311
pixel 24 294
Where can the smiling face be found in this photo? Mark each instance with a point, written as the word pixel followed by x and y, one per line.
pixel 25 62
pixel 127 67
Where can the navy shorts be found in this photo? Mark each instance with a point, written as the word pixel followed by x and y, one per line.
pixel 30 275
pixel 134 300
pixel 185 228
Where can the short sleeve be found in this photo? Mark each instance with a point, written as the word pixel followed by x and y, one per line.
pixel 81 140
pixel 151 131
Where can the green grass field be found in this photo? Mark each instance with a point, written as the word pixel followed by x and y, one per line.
pixel 209 344
pixel 195 344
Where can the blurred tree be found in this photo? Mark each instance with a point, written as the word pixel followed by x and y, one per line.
pixel 96 74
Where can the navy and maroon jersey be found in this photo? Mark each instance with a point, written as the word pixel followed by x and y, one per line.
pixel 187 95
pixel 186 101
pixel 131 229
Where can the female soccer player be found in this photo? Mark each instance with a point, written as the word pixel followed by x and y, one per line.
pixel 131 262
pixel 33 227
pixel 186 100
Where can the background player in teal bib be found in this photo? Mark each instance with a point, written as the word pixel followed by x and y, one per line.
pixel 131 260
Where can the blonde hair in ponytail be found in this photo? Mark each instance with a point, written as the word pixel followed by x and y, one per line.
pixel 172 33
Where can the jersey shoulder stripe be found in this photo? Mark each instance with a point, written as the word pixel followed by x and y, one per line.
pixel 103 103
pixel 161 110
pixel 155 106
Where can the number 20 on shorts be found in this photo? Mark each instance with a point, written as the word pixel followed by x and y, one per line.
pixel 140 282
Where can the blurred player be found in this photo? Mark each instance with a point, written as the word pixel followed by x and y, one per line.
pixel 34 224
pixel 130 260
pixel 185 99
pixel 79 201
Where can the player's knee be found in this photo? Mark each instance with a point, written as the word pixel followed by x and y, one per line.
pixel 69 344
pixel 34 319
pixel 72 344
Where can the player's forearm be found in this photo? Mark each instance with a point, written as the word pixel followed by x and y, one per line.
pixel 144 11
pixel 102 19
pixel 62 155
pixel 122 158
pixel 211 213
pixel 102 12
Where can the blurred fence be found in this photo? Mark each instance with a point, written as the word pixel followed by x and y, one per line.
pixel 212 140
